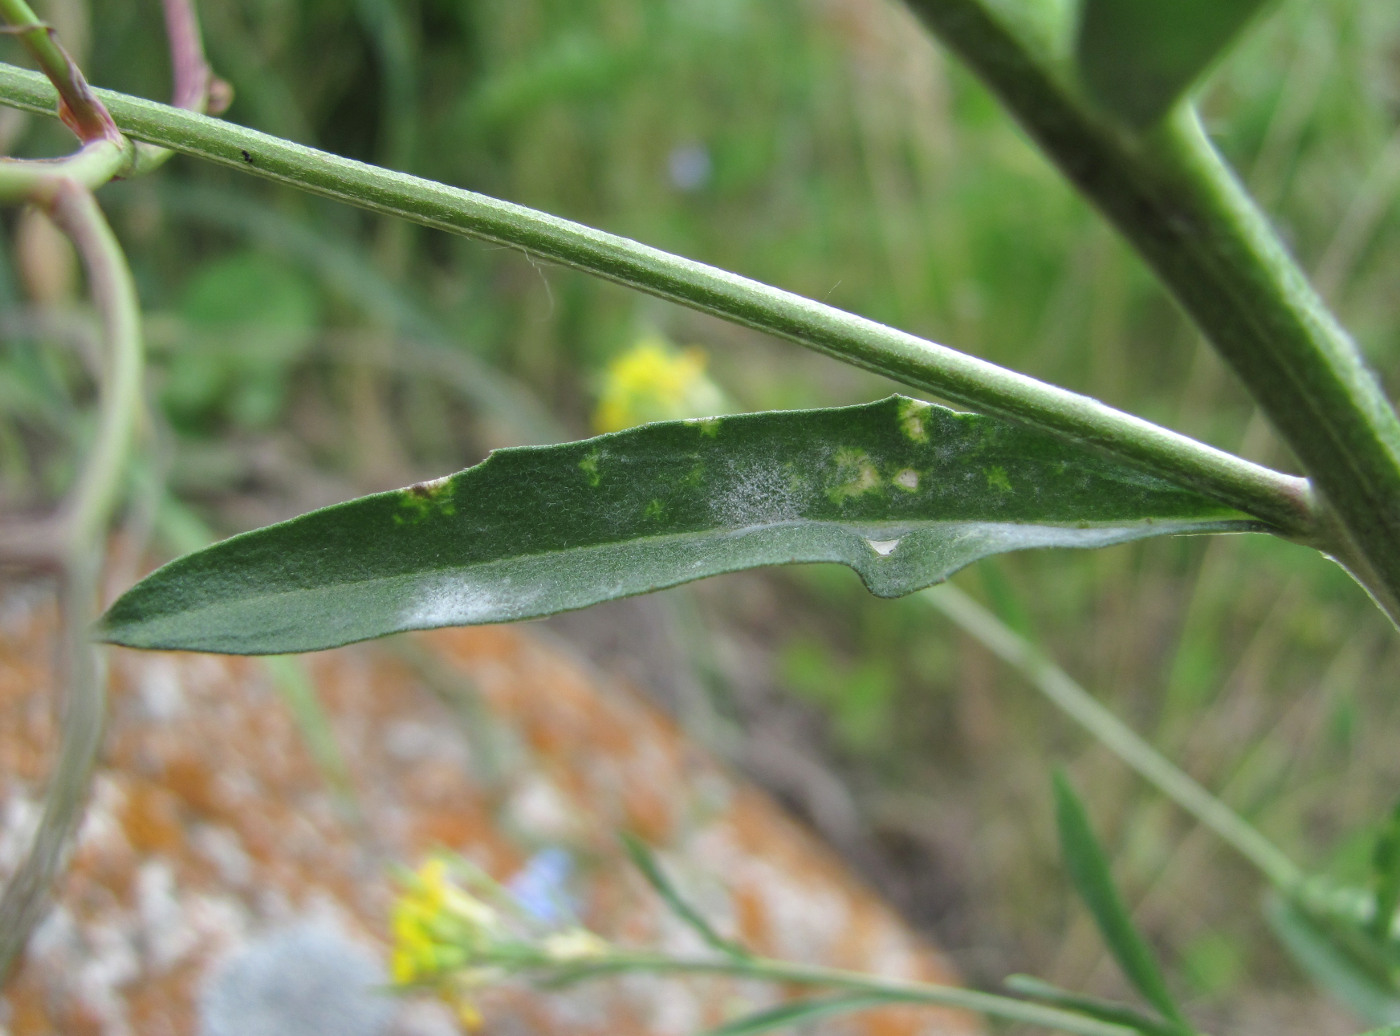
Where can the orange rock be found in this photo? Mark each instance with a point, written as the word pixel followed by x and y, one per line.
pixel 213 832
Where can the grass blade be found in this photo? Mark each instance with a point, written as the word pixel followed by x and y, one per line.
pixel 1088 867
pixel 1090 1006
pixel 1385 869
pixel 1354 981
pixel 646 862
pixel 795 1011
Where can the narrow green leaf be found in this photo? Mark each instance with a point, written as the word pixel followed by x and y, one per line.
pixel 1138 57
pixel 1385 868
pixel 1088 867
pixel 645 861
pixel 795 1011
pixel 1090 1006
pixel 1353 978
pixel 903 492
pixel 1389 1030
pixel 1343 916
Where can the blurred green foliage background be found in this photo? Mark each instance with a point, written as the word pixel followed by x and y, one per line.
pixel 304 352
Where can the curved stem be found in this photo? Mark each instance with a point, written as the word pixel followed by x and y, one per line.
pixel 95 494
pixel 26 896
pixel 37 180
pixel 85 517
pixel 1081 706
pixel 1278 499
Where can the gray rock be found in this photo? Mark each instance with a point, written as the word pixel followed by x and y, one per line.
pixel 307 980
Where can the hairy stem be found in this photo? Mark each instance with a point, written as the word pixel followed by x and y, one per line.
pixel 1281 500
pixel 1175 200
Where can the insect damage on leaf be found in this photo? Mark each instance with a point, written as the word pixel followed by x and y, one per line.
pixel 424 499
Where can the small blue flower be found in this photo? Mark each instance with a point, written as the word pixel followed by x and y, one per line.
pixel 540 887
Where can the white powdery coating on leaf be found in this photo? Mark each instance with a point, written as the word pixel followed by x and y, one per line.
pixel 453 600
pixel 758 495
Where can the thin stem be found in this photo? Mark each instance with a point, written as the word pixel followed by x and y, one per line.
pixel 78 107
pixel 194 85
pixel 1281 500
pixel 88 509
pixel 1176 201
pixel 1081 706
pixel 26 897
pixel 894 990
pixel 85 517
pixel 92 165
pixel 189 68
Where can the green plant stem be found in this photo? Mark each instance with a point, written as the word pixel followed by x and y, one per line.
pixel 26 896
pixel 85 516
pixel 1081 706
pixel 90 507
pixel 1281 500
pixel 1175 200
pixel 92 165
pixel 79 109
pixel 193 79
pixel 891 990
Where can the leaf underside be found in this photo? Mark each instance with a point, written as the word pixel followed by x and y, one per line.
pixel 903 492
pixel 1139 57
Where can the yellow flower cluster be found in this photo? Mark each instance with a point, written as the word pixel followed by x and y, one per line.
pixel 439 930
pixel 448 942
pixel 654 381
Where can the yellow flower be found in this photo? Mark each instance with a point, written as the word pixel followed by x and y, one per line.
pixel 438 929
pixel 653 381
pixel 451 944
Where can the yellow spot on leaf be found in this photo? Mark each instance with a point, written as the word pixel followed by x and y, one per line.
pixel 589 466
pixel 913 415
pixel 855 474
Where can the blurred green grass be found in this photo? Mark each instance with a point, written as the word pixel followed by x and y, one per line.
pixel 829 148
